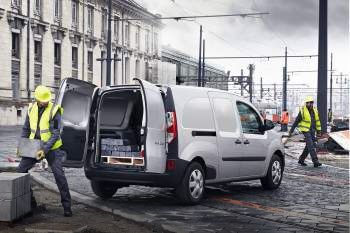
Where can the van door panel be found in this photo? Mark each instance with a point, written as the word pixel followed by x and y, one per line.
pixel 228 133
pixel 75 96
pixel 155 150
pixel 254 145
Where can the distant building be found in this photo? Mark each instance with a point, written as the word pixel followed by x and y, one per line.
pixel 187 70
pixel 48 40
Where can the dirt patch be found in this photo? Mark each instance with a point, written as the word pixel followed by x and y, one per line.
pixel 48 217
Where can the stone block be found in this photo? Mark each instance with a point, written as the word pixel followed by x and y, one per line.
pixel 15 197
pixel 8 210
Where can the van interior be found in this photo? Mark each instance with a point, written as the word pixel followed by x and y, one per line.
pixel 120 137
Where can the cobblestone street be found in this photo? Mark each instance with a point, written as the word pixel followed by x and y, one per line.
pixel 308 200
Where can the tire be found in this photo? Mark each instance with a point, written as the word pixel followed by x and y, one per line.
pixel 193 179
pixel 274 175
pixel 104 189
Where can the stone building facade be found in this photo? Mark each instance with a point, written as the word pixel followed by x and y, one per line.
pixel 45 41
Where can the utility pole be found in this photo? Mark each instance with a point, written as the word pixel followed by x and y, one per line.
pixel 203 64
pixel 241 83
pixel 261 88
pixel 322 64
pixel 200 57
pixel 274 92
pixel 341 93
pixel 251 70
pixel 109 44
pixel 331 84
pixel 284 92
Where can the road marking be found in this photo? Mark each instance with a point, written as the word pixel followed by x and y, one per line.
pixel 274 210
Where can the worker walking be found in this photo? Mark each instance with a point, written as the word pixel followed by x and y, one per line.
pixel 308 122
pixel 43 122
pixel 284 120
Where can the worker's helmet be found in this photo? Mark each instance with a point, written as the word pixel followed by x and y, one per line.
pixel 309 99
pixel 42 94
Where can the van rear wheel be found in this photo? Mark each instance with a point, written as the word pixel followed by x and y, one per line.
pixel 104 189
pixel 191 189
pixel 274 175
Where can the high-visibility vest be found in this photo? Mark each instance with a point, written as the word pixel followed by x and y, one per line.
pixel 305 123
pixel 44 124
pixel 285 117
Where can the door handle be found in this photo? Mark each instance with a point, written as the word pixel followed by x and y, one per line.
pixel 238 141
pixel 246 142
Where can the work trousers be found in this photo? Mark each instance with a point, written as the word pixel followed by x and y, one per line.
pixel 54 158
pixel 310 147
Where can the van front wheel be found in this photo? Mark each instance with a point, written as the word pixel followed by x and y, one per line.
pixel 104 189
pixel 274 175
pixel 191 189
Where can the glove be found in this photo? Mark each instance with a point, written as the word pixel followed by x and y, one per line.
pixel 40 154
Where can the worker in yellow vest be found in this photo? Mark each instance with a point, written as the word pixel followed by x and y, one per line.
pixel 308 122
pixel 43 122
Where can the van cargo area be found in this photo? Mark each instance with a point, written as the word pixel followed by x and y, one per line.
pixel 119 129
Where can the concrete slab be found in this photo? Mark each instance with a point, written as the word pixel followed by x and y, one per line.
pixel 15 197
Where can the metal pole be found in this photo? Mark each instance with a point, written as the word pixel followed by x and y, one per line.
pixel 284 92
pixel 274 92
pixel 241 82
pixel 341 93
pixel 331 86
pixel 109 44
pixel 28 52
pixel 203 64
pixel 261 88
pixel 200 57
pixel 322 64
pixel 251 70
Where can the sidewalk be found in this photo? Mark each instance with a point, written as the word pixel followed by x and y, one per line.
pixel 48 218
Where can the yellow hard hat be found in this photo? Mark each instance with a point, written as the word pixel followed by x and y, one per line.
pixel 42 94
pixel 309 99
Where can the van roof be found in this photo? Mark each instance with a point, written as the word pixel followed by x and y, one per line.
pixel 192 89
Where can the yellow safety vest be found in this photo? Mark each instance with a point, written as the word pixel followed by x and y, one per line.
pixel 305 123
pixel 44 124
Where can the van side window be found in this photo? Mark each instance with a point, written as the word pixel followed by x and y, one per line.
pixel 224 115
pixel 250 120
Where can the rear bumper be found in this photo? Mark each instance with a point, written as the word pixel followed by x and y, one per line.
pixel 125 177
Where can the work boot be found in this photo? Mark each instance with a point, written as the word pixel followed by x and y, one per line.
pixel 317 164
pixel 302 163
pixel 67 212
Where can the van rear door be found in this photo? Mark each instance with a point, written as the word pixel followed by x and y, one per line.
pixel 155 127
pixel 75 96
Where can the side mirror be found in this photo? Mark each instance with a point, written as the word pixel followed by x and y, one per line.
pixel 268 125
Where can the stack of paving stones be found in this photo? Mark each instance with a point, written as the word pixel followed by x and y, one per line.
pixel 15 199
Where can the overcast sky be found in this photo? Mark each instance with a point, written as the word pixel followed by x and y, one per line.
pixel 292 23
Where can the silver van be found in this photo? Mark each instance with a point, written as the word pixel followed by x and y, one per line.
pixel 166 136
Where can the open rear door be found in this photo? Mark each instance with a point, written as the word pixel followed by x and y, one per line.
pixel 75 96
pixel 155 152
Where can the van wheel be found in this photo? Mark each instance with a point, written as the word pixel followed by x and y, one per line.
pixel 191 189
pixel 104 189
pixel 274 175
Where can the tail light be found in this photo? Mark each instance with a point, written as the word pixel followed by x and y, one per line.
pixel 172 126
pixel 170 165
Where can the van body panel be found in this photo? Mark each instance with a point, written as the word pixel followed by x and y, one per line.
pixel 155 147
pixel 228 134
pixel 196 127
pixel 75 96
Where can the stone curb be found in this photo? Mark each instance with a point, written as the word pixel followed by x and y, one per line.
pixel 98 204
